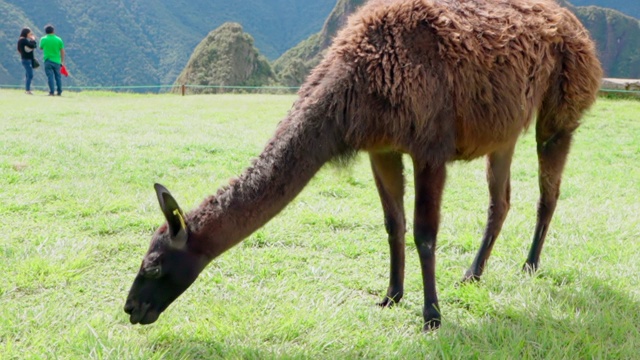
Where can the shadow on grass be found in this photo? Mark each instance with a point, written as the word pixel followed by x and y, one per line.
pixel 177 346
pixel 576 317
pixel 585 318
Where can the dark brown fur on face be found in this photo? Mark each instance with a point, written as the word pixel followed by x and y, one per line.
pixel 440 80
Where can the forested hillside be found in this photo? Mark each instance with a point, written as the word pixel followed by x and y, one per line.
pixel 629 7
pixel 294 65
pixel 617 37
pixel 133 42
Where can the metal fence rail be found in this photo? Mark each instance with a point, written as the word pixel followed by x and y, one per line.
pixel 278 89
pixel 161 87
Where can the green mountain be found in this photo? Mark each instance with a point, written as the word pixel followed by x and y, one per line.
pixel 142 42
pixel 294 65
pixel 226 56
pixel 629 7
pixel 617 37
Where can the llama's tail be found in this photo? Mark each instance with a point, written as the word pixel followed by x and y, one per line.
pixel 580 75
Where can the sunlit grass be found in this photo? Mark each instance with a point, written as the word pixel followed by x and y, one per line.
pixel 77 210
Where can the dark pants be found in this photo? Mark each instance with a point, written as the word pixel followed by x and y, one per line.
pixel 28 71
pixel 53 72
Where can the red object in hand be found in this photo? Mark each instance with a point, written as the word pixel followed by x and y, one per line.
pixel 63 70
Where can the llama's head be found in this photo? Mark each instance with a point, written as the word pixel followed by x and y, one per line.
pixel 168 268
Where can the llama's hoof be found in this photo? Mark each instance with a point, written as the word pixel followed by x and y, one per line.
pixel 431 318
pixel 386 302
pixel 389 301
pixel 431 325
pixel 470 277
pixel 530 268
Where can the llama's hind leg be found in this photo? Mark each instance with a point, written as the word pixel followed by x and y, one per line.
pixel 429 183
pixel 388 174
pixel 498 178
pixel 553 148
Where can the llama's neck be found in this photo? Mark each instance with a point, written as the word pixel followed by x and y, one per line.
pixel 291 158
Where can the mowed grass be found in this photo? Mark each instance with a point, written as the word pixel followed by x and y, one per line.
pixel 77 210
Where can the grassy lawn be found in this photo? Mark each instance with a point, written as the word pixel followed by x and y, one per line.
pixel 77 209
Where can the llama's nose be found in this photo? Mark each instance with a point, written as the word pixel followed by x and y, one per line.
pixel 129 306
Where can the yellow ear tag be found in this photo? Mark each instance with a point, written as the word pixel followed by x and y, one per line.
pixel 178 213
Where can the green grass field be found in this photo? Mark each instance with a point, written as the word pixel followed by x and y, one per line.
pixel 77 210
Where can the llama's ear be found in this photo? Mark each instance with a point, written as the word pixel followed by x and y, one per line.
pixel 174 215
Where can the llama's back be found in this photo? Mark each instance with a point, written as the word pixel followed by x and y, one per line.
pixel 453 78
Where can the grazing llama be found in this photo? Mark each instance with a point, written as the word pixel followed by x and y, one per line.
pixel 440 80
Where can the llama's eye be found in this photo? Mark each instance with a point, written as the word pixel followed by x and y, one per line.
pixel 152 272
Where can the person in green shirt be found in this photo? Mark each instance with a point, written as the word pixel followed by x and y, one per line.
pixel 53 52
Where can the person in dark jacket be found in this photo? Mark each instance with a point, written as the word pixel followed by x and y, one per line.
pixel 26 47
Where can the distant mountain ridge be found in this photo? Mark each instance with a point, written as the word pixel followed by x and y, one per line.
pixel 628 7
pixel 617 37
pixel 294 65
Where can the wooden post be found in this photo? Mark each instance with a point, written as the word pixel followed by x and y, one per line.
pixel 183 89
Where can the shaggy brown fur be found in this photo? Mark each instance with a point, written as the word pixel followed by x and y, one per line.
pixel 455 79
pixel 440 80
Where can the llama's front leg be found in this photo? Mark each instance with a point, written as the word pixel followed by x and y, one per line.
pixel 552 156
pixel 388 174
pixel 498 178
pixel 429 184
